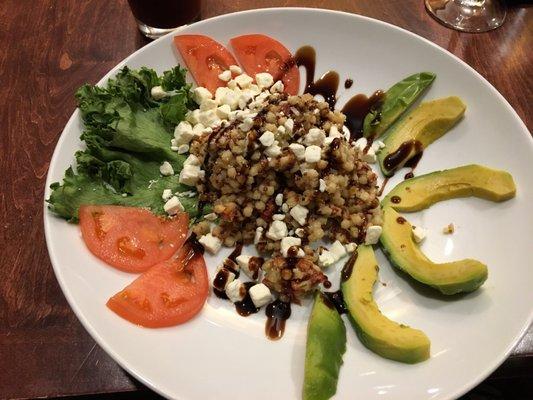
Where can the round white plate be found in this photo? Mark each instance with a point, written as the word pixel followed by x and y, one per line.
pixel 220 355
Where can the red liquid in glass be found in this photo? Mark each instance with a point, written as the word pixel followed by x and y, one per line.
pixel 165 13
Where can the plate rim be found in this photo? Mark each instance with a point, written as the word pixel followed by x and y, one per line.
pixel 131 369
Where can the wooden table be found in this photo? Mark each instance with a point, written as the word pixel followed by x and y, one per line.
pixel 49 48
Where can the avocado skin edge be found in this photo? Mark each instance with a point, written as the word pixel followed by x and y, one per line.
pixel 326 344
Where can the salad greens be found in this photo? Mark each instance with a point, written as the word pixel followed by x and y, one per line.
pixel 127 135
pixel 397 99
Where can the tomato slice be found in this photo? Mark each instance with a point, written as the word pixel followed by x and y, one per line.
pixel 131 239
pixel 205 58
pixel 169 293
pixel 260 53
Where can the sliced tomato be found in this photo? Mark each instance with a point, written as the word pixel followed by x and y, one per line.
pixel 260 53
pixel 205 58
pixel 169 293
pixel 131 239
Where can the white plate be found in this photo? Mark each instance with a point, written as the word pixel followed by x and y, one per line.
pixel 222 355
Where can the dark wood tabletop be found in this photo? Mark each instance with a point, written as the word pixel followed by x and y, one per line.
pixel 48 49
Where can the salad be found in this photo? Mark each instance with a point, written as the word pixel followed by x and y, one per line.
pixel 242 160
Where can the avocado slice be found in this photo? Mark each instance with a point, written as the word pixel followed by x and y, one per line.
pixel 326 343
pixel 417 130
pixel 387 338
pixel 397 99
pixel 469 180
pixel 449 278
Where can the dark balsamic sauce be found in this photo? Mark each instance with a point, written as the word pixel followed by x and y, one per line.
pixel 356 110
pixel 382 188
pixel 395 199
pixel 335 299
pixel 326 86
pixel 348 267
pixel 402 153
pixel 409 175
pixel 401 220
pixel 348 83
pixel 277 313
pixel 246 306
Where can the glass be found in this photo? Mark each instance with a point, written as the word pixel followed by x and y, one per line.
pixel 468 15
pixel 155 18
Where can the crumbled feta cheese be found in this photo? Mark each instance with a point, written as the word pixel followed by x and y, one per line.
pixel 419 234
pixel 209 118
pixel 166 169
pixel 227 96
pixel 337 250
pixel 277 230
pixel 198 129
pixel 235 290
pixel 277 87
pixel 247 124
pixel 289 125
pixel 183 133
pixel 281 130
pixel 173 205
pixel 279 199
pixel 325 259
pixel 243 260
pixel 245 97
pixel 225 76
pixel 377 146
pixel 192 116
pixel 274 150
pixel 183 148
pixel 350 247
pixel 243 80
pixel 211 243
pixel 223 111
pixel 312 154
pixel 232 84
pixel 210 217
pixel 200 94
pixel 167 194
pixel 258 234
pixel 235 69
pixel 158 93
pixel 360 144
pixel 334 132
pixel 298 150
pixel 267 139
pixel 315 136
pixel 260 295
pixel 373 233
pixel 346 132
pixel 370 156
pixel 278 217
pixel 174 148
pixel 264 80
pixel 322 185
pixel 208 104
pixel 288 242
pixel 191 174
pixel 192 160
pixel 300 232
pixel 299 213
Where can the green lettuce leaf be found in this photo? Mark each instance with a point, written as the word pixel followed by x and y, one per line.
pixel 127 136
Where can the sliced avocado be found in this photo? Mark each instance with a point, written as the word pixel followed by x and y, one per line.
pixel 378 333
pixel 326 343
pixel 397 99
pixel 469 180
pixel 417 130
pixel 449 278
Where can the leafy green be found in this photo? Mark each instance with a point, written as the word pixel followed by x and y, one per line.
pixel 127 136
pixel 397 99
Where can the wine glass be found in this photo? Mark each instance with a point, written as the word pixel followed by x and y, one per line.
pixel 468 15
